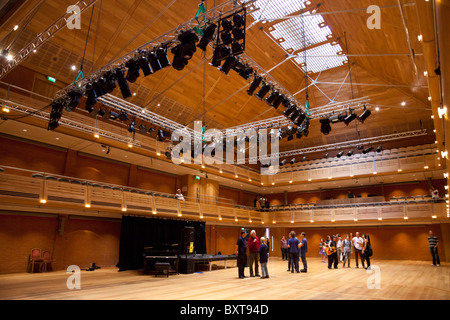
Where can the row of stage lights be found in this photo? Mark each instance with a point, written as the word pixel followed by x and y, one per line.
pixel 339 155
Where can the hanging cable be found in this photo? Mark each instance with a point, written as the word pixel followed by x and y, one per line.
pixel 80 74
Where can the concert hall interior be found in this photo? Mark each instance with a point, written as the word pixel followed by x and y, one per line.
pixel 139 138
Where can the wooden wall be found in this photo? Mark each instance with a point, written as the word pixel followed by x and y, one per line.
pixel 83 241
pixel 388 243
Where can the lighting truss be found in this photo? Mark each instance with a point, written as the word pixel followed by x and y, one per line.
pixel 166 40
pixel 41 38
pixel 85 127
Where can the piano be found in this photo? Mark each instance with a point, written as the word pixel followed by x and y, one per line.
pixel 161 259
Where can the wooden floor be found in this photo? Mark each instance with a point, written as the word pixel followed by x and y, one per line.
pixel 400 280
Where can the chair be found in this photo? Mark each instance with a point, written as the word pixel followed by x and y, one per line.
pixel 47 259
pixel 35 258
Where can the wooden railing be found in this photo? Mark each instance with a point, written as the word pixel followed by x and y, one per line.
pixel 35 189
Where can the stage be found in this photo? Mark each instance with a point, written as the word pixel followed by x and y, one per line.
pixel 399 280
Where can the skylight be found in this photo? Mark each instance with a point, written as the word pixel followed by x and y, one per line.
pixel 321 58
pixel 276 8
pixel 294 34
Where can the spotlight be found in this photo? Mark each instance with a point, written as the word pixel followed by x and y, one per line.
pixel 326 127
pixel 350 118
pixel 364 115
pixel 289 110
pixel 91 98
pixel 133 70
pixel 350 153
pixel 184 51
pixel 294 115
pixel 304 159
pixel 110 83
pixel 123 84
pixel 305 127
pixel 98 86
pixel 73 100
pixel 101 112
pixel 237 48
pixel 282 163
pixel 220 53
pixel 145 64
pixel 208 35
pixel 326 155
pixel 255 84
pixel 272 97
pixel 293 161
pixel 264 90
pixel 112 115
pixel 55 115
pixel 365 151
pixel 299 120
pixel 340 154
pixel 161 136
pixel 131 128
pixel 379 149
pixel 154 62
pixel 163 59
pixel 290 130
pixel 278 101
pixel 246 72
pixel 229 63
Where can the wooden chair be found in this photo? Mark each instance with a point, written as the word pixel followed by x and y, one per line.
pixel 35 258
pixel 47 259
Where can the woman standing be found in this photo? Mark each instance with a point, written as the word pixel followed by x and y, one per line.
pixel 367 250
pixel 322 252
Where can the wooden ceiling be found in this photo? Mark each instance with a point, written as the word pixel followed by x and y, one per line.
pixel 120 26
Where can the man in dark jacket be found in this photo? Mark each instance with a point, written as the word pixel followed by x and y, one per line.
pixel 241 252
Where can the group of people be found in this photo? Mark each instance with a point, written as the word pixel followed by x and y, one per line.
pixel 292 249
pixel 338 250
pixel 258 254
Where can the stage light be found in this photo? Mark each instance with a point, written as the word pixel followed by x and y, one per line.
pixel 133 70
pixel 289 110
pixel 101 112
pixel 91 98
pixel 350 153
pixel 110 82
pixel 229 63
pixel 154 62
pixel 237 48
pixel 326 155
pixel 255 84
pixel 163 59
pixel 290 138
pixel 123 84
pixel 264 90
pixel 246 72
pixel 272 97
pixel 144 64
pixel 364 115
pixel 379 149
pixel 352 116
pixel 184 51
pixel 73 100
pixel 340 154
pixel 365 151
pixel 55 115
pixel 161 136
pixel 300 118
pixel 293 161
pixel 282 163
pixel 278 101
pixel 208 35
pixel 294 115
pixel 325 126
pixel 220 53
pixel 131 126
pixel 112 115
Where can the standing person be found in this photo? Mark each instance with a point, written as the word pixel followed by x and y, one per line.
pixel 339 247
pixel 264 257
pixel 322 252
pixel 284 249
pixel 303 251
pixel 332 256
pixel 253 248
pixel 293 244
pixel 241 252
pixel 358 243
pixel 367 250
pixel 434 193
pixel 433 242
pixel 347 245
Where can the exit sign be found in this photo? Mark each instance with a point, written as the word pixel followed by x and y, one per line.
pixel 51 79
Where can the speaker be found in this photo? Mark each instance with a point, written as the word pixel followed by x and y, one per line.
pixel 188 238
pixel 186 266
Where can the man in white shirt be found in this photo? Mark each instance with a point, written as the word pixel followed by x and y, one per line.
pixel 358 243
pixel 179 195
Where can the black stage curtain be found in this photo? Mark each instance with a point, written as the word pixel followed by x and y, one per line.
pixel 137 233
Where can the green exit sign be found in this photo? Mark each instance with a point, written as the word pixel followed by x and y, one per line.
pixel 197 177
pixel 51 79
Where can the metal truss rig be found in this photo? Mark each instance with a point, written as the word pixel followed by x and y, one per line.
pixel 165 40
pixel 40 39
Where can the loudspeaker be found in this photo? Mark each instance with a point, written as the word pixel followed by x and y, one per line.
pixel 187 238
pixel 186 266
